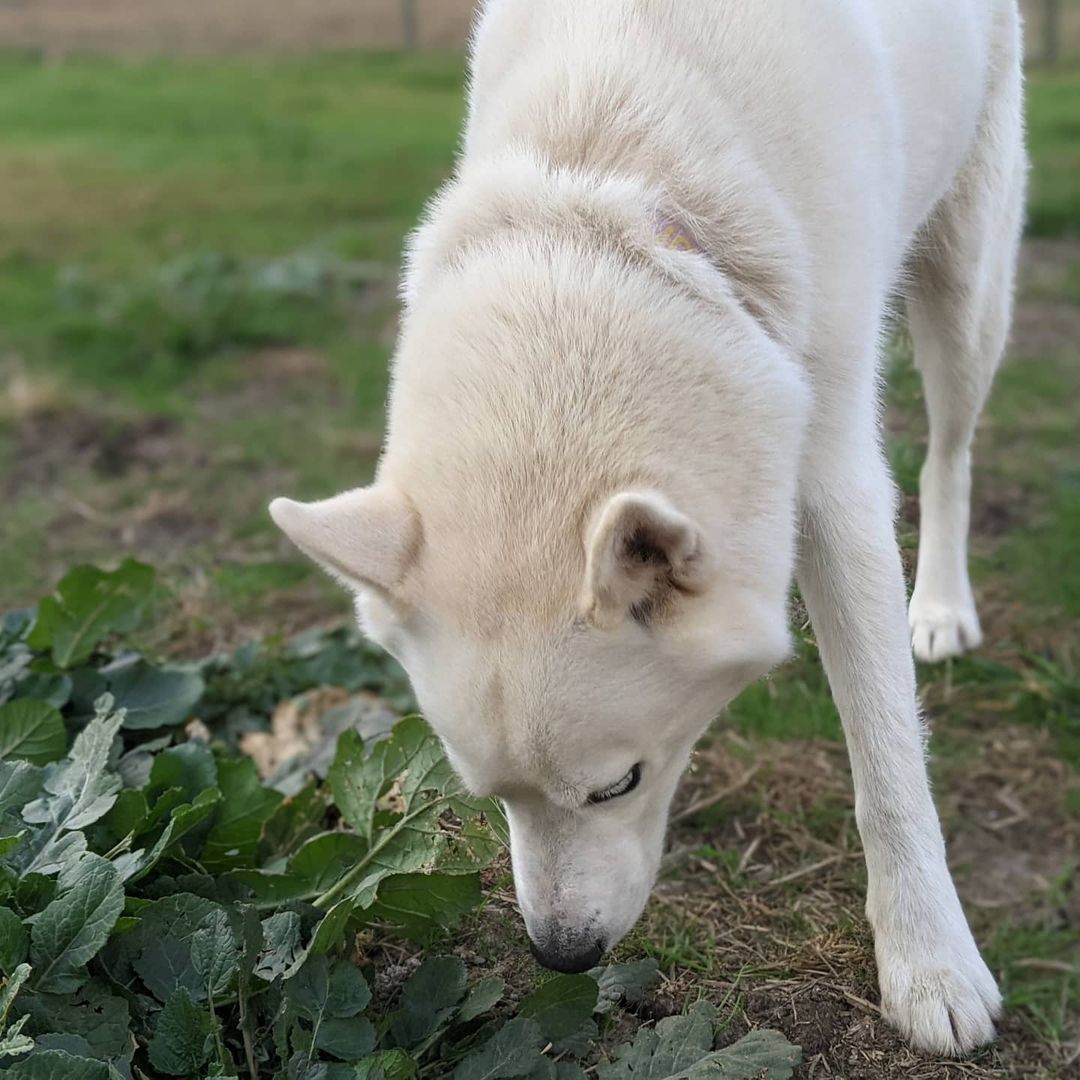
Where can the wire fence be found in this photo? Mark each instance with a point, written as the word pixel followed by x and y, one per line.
pixel 57 27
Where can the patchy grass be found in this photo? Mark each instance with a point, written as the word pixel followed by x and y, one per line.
pixel 196 300
pixel 1054 143
pixel 197 260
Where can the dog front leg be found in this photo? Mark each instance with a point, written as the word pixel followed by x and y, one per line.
pixel 935 986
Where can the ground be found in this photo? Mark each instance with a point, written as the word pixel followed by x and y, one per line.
pixel 197 272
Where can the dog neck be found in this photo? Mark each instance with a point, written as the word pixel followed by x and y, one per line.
pixel 723 255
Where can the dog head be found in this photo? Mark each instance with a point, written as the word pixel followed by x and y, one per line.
pixel 578 558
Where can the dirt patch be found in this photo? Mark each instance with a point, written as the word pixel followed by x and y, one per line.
pixel 996 513
pixel 271 380
pixel 1017 834
pixel 50 443
pixel 1044 328
pixel 781 915
pixel 1045 322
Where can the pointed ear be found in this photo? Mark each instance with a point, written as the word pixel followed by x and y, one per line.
pixel 366 537
pixel 640 552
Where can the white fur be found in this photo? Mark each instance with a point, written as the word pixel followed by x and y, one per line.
pixel 601 450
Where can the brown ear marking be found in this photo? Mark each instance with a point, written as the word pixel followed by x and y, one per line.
pixel 641 553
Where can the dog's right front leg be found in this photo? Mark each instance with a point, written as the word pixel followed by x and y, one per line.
pixel 935 986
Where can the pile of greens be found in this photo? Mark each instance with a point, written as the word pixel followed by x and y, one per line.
pixel 166 912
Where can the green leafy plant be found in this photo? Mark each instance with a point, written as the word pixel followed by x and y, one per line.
pixel 165 911
pixel 200 304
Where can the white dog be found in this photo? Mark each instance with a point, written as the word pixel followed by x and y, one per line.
pixel 637 388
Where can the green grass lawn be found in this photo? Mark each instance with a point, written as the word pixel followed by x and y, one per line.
pixel 212 244
pixel 197 270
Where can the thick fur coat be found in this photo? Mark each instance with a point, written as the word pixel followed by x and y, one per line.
pixel 609 454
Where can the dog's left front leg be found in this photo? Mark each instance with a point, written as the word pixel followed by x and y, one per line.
pixel 935 986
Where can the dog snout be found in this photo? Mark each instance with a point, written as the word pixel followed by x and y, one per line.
pixel 569 952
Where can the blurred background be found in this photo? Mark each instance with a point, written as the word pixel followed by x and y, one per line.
pixel 202 208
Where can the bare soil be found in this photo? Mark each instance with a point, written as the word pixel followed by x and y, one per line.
pixel 786 924
pixel 1045 323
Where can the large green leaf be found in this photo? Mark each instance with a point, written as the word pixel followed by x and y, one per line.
pixel 190 767
pixel 282 949
pixel 681 1048
pixel 13 941
pixel 215 954
pixel 295 821
pixel 154 697
pixel 81 788
pixel 395 797
pixel 389 1065
pixel 514 1050
pixel 245 806
pixel 57 1065
pixel 324 989
pixel 359 780
pixel 93 1013
pixel 324 858
pixel 165 966
pixel 625 982
pixel 429 1000
pixel 13 1042
pixel 346 1038
pixel 9 987
pixel 20 782
pixel 126 817
pixel 176 918
pixel 31 730
pixel 483 997
pixel 183 820
pixel 87 606
pixel 423 906
pixel 180 1046
pixel 760 1054
pixel 563 1007
pixel 75 925
pixel 78 791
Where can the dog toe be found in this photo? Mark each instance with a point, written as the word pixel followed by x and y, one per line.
pixel 939 631
pixel 941 1010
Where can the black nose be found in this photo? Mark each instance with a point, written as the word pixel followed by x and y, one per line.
pixel 567 958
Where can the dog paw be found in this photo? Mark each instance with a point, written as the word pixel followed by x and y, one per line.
pixel 940 630
pixel 942 1006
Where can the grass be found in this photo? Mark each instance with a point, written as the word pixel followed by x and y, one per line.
pixel 1054 144
pixel 197 262
pixel 170 232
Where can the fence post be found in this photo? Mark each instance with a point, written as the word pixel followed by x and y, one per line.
pixel 408 23
pixel 1051 31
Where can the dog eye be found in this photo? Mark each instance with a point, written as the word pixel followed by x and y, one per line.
pixel 623 787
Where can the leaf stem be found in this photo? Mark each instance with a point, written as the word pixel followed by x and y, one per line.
pixel 337 891
pixel 245 1030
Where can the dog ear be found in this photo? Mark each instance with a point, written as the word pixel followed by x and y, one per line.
pixel 367 537
pixel 640 552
